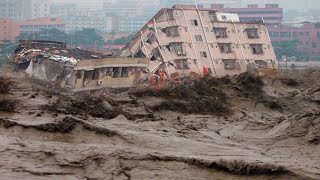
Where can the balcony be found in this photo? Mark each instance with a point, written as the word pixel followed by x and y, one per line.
pixel 220 32
pixel 225 47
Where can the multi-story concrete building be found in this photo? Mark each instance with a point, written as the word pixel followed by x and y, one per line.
pixel 184 40
pixel 307 36
pixel 271 14
pixel 24 9
pixel 13 9
pixel 131 24
pixel 78 19
pixel 63 9
pixel 41 23
pixel 9 30
pixel 129 16
pixel 37 9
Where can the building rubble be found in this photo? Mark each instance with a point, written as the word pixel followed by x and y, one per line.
pixel 76 69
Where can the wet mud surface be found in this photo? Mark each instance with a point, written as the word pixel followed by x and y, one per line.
pixel 243 127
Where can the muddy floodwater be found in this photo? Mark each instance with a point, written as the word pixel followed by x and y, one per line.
pixel 242 127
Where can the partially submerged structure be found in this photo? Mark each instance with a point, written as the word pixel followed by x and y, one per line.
pixel 187 41
pixel 76 69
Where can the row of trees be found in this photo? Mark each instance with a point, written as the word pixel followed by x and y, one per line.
pixel 85 37
pixel 289 49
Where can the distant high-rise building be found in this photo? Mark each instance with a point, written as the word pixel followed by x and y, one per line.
pixel 271 14
pixel 170 3
pixel 24 9
pixel 37 8
pixel 77 18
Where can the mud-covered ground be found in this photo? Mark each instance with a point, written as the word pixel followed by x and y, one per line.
pixel 242 127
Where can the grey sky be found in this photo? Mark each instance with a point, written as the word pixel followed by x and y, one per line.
pixel 302 5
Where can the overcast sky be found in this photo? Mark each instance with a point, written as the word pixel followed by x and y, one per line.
pixel 286 4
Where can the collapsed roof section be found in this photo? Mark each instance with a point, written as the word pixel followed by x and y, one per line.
pixel 76 69
pixel 185 40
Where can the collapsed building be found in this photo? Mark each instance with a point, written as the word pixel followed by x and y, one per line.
pixel 186 41
pixel 76 69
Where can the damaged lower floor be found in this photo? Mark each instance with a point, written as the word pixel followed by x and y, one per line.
pixel 91 74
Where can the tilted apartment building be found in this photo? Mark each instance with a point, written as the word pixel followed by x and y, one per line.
pixel 184 40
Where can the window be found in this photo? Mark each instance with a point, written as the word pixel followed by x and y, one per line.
pixel 274 34
pixel 125 72
pixel 96 74
pixel 314 45
pixel 109 71
pixel 171 31
pixel 256 48
pixel 220 32
pixel 194 22
pixel 285 34
pixel 198 37
pixel 170 15
pixel 307 33
pixel 116 72
pixel 229 64
pixel 182 64
pixel 294 34
pixel 318 35
pixel 225 47
pixel 176 48
pixel 261 63
pixel 88 75
pixel 300 33
pixel 252 33
pixel 203 54
pixel 79 75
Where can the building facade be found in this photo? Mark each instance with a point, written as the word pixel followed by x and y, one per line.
pixel 13 9
pixel 307 36
pixel 271 14
pixel 9 30
pixel 185 41
pixel 41 23
pixel 37 9
pixel 129 16
pixel 77 19
pixel 21 10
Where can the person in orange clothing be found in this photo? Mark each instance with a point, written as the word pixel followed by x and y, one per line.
pixel 161 77
pixel 152 79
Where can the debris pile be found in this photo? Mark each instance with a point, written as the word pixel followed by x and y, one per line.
pixel 204 96
pixel 82 107
pixel 55 51
pixel 5 85
pixel 75 69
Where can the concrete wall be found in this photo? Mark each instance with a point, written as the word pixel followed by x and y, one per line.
pixel 103 79
pixel 241 52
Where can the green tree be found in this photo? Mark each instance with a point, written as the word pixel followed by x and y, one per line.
pixel 7 49
pixel 88 38
pixel 285 48
pixel 46 35
pixel 123 40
